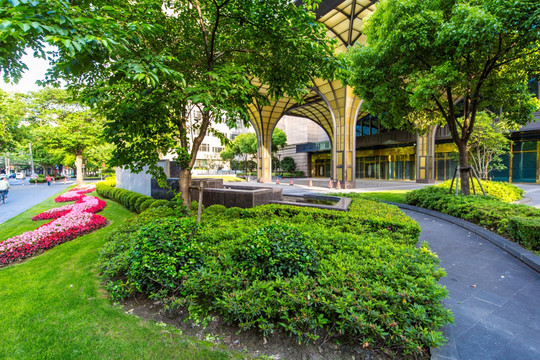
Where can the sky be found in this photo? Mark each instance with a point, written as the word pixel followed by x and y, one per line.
pixel 36 71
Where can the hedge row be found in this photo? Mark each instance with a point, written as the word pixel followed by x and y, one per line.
pixel 519 223
pixel 131 200
pixel 501 190
pixel 357 276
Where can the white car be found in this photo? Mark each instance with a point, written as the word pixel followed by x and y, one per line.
pixel 20 175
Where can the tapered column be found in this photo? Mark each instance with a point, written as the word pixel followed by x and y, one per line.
pixel 264 157
pixel 425 157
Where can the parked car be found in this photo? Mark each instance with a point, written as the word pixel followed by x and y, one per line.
pixel 12 176
pixel 20 175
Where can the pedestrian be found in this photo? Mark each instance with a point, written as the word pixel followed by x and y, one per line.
pixel 49 179
pixel 4 186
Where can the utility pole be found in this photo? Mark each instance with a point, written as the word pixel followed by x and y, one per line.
pixel 31 158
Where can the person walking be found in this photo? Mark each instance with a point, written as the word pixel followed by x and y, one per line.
pixel 4 187
pixel 49 179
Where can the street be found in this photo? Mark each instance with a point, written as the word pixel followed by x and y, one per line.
pixel 21 197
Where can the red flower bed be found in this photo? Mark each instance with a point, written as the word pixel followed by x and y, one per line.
pixel 27 250
pixel 89 204
pixel 69 222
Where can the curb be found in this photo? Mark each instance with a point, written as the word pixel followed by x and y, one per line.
pixel 523 255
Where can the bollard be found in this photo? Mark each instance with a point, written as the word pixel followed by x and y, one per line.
pixel 330 184
pixel 338 186
pixel 36 182
pixel 310 183
pixel 291 182
pixel 277 181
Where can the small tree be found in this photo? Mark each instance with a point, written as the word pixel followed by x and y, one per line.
pixel 288 164
pixel 245 145
pixel 488 142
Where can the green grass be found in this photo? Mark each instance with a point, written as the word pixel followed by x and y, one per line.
pixel 224 177
pixel 53 305
pixel 397 196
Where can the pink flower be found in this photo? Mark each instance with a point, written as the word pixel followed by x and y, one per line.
pixel 70 221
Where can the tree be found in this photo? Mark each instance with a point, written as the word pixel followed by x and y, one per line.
pixel 288 164
pixel 442 62
pixel 11 115
pixel 64 131
pixel 245 145
pixel 488 142
pixel 149 65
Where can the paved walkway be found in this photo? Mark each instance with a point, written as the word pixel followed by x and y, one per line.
pixel 495 298
pixel 22 198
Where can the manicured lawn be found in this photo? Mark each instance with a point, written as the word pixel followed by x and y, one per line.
pixel 53 305
pixel 397 196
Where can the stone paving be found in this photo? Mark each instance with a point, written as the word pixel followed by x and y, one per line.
pixel 494 297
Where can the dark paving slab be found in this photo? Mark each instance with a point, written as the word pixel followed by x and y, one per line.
pixel 495 298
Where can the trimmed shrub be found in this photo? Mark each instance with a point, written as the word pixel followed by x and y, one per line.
pixel 355 275
pixel 146 204
pixel 159 203
pixel 166 251
pixel 233 212
pixel 275 251
pixel 140 201
pixel 489 212
pixel 501 190
pixel 215 210
pixel 153 252
pixel 526 231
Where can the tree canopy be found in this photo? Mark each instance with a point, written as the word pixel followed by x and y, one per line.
pixel 146 64
pixel 441 62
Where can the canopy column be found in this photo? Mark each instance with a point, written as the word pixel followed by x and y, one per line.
pixel 425 156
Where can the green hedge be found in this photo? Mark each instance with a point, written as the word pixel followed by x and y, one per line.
pixel 501 190
pixel 354 275
pixel 488 212
pixel 129 199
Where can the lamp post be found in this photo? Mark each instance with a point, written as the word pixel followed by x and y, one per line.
pixel 279 163
pixel 31 158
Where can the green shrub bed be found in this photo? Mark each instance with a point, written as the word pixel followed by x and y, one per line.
pixel 519 223
pixel 131 200
pixel 501 190
pixel 354 275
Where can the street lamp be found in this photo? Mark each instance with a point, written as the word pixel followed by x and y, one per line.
pixel 279 163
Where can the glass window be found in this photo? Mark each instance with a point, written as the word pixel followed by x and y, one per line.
pixel 525 146
pixel 524 167
pixel 533 86
pixel 204 147
pixel 502 175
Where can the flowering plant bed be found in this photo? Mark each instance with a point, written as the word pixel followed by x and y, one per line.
pixel 75 193
pixel 90 204
pixel 70 221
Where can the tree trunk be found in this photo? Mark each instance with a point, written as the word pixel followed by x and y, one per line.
pixel 184 182
pixel 464 165
pixel 78 166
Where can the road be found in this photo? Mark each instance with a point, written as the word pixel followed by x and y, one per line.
pixel 22 198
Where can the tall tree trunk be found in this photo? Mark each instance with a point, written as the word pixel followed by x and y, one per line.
pixel 184 182
pixel 464 164
pixel 78 166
